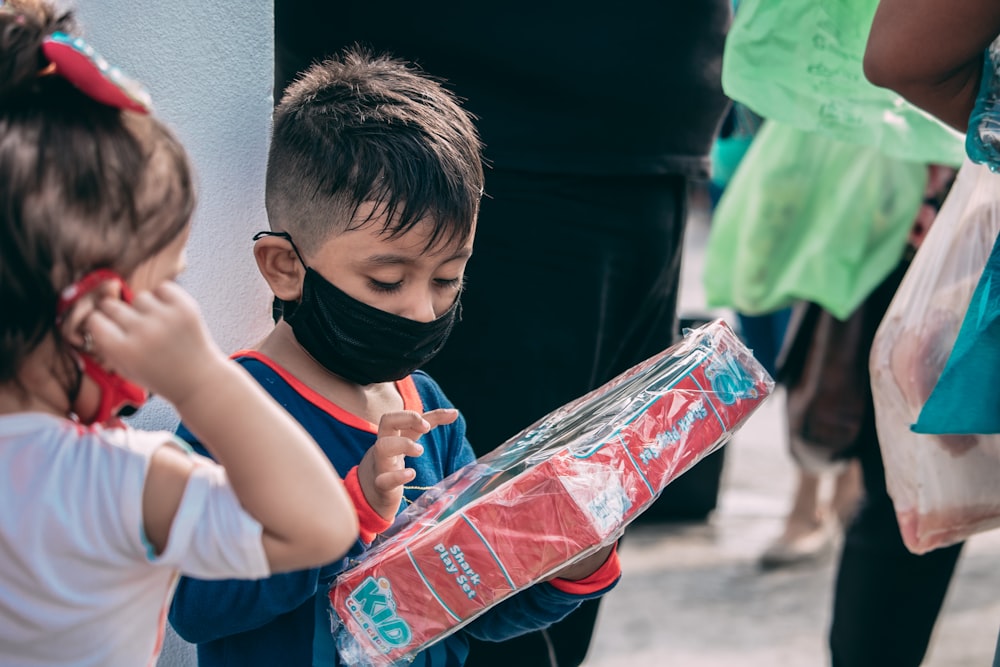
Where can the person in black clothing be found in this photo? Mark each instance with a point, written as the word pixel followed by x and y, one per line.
pixel 886 599
pixel 595 118
pixel 931 53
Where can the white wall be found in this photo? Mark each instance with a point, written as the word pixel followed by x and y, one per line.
pixel 208 66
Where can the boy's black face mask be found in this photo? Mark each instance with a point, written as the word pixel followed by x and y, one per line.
pixel 351 339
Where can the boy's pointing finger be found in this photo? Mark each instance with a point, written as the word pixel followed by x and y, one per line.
pixel 392 423
pixel 392 446
pixel 441 416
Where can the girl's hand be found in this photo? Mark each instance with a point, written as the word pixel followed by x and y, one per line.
pixel 383 472
pixel 159 341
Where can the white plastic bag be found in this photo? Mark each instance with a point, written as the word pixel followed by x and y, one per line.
pixel 944 487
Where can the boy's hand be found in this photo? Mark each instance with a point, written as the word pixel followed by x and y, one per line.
pixel 159 341
pixel 586 567
pixel 383 472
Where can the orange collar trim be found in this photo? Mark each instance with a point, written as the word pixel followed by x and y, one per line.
pixel 406 387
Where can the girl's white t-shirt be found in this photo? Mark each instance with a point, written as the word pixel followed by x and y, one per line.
pixel 79 582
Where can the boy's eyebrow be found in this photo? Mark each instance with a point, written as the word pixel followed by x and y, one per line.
pixel 389 258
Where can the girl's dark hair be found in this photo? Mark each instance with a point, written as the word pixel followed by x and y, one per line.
pixel 364 128
pixel 82 185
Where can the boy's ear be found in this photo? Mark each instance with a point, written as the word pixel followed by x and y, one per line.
pixel 280 266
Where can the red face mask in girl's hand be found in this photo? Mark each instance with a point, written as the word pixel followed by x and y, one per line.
pixel 118 395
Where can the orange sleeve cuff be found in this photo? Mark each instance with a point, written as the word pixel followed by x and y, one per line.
pixel 600 579
pixel 370 522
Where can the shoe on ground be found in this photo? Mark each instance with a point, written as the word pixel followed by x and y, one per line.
pixel 800 546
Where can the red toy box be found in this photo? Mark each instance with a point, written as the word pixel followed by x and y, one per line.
pixel 554 493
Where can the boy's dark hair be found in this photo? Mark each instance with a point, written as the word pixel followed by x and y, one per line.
pixel 361 128
pixel 82 185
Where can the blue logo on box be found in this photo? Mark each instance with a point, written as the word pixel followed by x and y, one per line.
pixel 730 381
pixel 374 608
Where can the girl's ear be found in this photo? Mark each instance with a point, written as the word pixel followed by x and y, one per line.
pixel 278 262
pixel 72 325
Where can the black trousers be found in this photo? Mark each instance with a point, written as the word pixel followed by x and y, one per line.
pixel 886 599
pixel 573 280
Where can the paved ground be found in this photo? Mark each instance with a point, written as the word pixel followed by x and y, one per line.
pixel 692 595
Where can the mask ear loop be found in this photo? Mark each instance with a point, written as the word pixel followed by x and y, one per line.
pixel 282 235
pixel 281 309
pixel 118 396
pixel 91 281
pixel 67 298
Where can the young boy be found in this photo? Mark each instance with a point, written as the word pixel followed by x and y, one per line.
pixel 373 186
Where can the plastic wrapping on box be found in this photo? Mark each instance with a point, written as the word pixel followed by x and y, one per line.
pixel 555 493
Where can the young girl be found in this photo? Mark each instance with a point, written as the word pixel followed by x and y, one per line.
pixel 97 520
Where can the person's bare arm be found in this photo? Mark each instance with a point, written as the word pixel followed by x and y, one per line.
pixel 930 52
pixel 280 476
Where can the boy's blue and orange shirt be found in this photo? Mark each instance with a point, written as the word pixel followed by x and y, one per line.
pixel 285 619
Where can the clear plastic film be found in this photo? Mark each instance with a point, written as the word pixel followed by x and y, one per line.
pixel 982 141
pixel 944 487
pixel 551 495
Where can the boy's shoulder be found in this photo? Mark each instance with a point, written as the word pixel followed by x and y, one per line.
pixel 254 361
pixel 430 391
pixel 265 371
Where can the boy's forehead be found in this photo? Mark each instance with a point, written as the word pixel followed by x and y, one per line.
pixel 370 213
pixel 371 237
pixel 373 220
